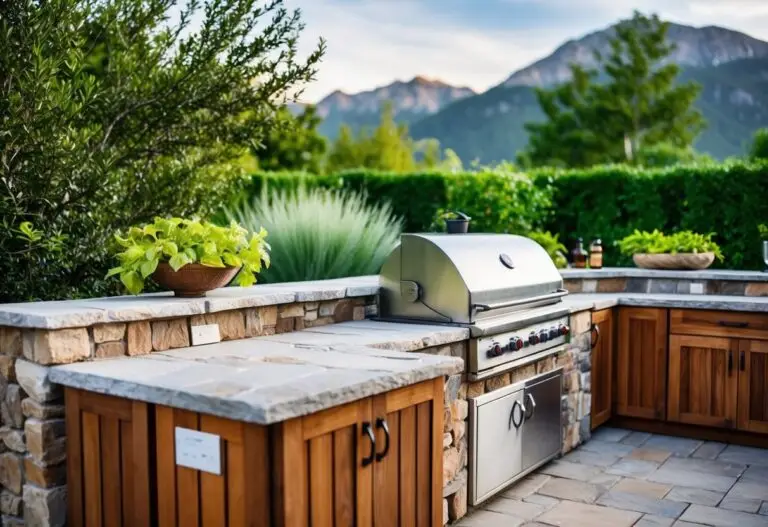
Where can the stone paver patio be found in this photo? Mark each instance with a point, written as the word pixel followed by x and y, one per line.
pixel 622 478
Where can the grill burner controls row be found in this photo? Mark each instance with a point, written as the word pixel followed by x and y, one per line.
pixel 517 343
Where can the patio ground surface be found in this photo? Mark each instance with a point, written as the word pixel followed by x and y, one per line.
pixel 622 478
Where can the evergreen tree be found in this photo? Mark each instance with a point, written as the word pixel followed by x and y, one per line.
pixel 293 143
pixel 759 147
pixel 634 105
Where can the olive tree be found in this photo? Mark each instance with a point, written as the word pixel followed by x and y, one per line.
pixel 114 111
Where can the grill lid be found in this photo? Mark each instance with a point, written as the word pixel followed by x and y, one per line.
pixel 465 278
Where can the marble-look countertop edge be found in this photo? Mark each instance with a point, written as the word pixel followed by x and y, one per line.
pixel 594 301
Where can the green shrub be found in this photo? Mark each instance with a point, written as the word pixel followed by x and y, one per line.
pixel 318 234
pixel 657 242
pixel 551 243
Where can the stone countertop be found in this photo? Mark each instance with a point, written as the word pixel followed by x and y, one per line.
pixel 79 313
pixel 266 380
pixel 587 301
pixel 636 272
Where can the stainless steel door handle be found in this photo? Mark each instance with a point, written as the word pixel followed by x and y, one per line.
pixel 532 405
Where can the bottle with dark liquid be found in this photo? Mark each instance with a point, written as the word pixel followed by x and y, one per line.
pixel 579 255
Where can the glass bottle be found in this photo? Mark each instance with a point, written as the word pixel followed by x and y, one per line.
pixel 596 254
pixel 579 255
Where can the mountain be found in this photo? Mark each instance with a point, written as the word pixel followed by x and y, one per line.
pixel 490 126
pixel 411 101
pixel 695 47
pixel 731 67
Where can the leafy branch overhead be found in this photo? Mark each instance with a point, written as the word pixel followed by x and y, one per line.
pixel 612 113
pixel 180 242
pixel 117 111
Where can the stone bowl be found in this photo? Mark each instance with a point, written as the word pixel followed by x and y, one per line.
pixel 193 280
pixel 679 261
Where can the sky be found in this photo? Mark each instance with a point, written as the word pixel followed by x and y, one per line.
pixel 475 43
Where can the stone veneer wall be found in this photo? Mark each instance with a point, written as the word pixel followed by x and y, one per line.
pixel 32 437
pixel 576 403
pixel 666 286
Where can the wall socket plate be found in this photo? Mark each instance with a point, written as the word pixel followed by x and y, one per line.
pixel 205 334
pixel 198 450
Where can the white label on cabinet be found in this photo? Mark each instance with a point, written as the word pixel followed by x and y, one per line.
pixel 198 450
pixel 207 334
pixel 697 289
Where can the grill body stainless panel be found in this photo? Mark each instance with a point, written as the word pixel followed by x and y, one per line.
pixel 466 278
pixel 501 452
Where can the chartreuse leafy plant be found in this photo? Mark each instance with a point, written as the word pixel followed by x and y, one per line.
pixel 551 243
pixel 657 242
pixel 180 242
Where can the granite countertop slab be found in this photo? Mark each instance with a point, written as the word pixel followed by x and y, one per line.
pixel 636 272
pixel 586 301
pixel 80 313
pixel 266 380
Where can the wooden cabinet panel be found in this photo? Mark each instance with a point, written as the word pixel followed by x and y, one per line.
pixel 731 324
pixel 641 363
pixel 703 380
pixel 602 366
pixel 753 385
pixel 108 479
pixel 408 474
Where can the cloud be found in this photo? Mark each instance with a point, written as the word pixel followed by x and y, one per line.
pixel 374 42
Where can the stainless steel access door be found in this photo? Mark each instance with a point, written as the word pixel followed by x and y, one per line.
pixel 542 430
pixel 496 448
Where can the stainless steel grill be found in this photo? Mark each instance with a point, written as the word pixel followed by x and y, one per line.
pixel 507 291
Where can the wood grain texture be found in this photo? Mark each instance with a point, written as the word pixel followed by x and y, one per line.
pixel 110 459
pixel 424 463
pixel 602 367
pixel 753 386
pixel 187 479
pixel 166 467
pixel 641 363
pixel 321 480
pixel 704 433
pixel 74 458
pixel 729 324
pixel 436 453
pixel 344 476
pixel 407 477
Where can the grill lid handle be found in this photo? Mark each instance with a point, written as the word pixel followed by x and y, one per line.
pixel 548 296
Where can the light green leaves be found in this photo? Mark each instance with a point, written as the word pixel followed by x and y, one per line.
pixel 180 242
pixel 657 242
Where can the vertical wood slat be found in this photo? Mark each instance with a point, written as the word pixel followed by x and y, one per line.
pixel 344 468
pixel 110 459
pixel 166 467
pixel 321 480
pixel 423 463
pixel 187 479
pixel 364 475
pixel 74 458
pixel 142 480
pixel 92 469
pixel 436 497
pixel 213 487
pixel 126 472
pixel 292 504
pixel 753 395
pixel 385 471
pixel 258 472
pixel 407 441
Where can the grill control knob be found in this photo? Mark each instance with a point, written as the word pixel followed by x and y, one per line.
pixel 563 329
pixel 544 335
pixel 515 344
pixel 533 338
pixel 553 333
pixel 495 350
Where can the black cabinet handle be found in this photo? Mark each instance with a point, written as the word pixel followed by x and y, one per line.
pixel 730 324
pixel 730 362
pixel 531 406
pixel 382 423
pixel 367 430
pixel 513 418
pixel 742 361
pixel 596 329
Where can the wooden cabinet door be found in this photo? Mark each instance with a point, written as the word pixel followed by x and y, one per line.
pixel 324 472
pixel 602 366
pixel 753 385
pixel 408 473
pixel 703 380
pixel 641 363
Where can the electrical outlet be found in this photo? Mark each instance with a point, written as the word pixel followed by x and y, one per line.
pixel 206 334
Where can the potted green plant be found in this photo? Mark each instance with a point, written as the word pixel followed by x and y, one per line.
pixel 763 230
pixel 189 257
pixel 681 250
pixel 454 222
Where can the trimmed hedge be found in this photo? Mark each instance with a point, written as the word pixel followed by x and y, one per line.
pixel 608 202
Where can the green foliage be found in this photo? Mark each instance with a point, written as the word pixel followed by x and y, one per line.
pixel 667 155
pixel 638 106
pixel 759 148
pixel 180 242
pixel 319 234
pixel 657 242
pixel 551 243
pixel 293 143
pixel 763 230
pixel 116 111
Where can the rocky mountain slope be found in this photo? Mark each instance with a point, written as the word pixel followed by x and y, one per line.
pixel 411 100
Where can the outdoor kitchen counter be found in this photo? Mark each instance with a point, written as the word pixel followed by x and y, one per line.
pixel 577 302
pixel 270 379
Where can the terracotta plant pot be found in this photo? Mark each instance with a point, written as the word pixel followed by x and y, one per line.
pixel 680 261
pixel 193 280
